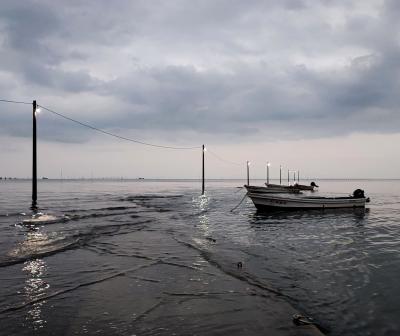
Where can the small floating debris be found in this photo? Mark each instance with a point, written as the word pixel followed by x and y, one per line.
pixel 302 320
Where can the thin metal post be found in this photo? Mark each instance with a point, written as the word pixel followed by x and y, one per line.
pixel 34 158
pixel 298 176
pixel 280 174
pixel 288 178
pixel 248 172
pixel 267 172
pixel 202 179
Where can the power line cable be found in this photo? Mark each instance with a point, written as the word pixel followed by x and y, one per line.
pixel 223 160
pixel 14 102
pixel 112 134
pixel 118 136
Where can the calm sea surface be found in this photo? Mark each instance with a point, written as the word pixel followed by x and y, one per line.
pixel 155 258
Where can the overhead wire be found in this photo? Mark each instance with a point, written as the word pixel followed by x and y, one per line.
pixel 119 136
pixel 222 159
pixel 14 102
pixel 112 134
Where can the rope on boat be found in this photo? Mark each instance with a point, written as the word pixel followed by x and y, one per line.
pixel 239 203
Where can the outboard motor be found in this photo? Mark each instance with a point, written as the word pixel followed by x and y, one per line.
pixel 313 184
pixel 358 193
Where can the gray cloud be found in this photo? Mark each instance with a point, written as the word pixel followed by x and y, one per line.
pixel 233 69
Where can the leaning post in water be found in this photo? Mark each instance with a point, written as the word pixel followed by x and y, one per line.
pixel 34 158
pixel 202 176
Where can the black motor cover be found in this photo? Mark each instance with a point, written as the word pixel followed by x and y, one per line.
pixel 358 193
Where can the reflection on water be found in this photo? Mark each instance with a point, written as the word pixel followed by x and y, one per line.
pixel 357 213
pixel 35 285
pixel 201 203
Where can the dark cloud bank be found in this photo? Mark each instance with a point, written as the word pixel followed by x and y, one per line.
pixel 272 69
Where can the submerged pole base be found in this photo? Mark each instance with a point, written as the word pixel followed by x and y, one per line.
pixel 34 206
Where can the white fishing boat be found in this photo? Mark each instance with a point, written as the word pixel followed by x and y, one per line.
pixel 268 190
pixel 268 201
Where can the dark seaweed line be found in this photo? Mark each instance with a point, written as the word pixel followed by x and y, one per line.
pixel 158 261
pixel 204 294
pixel 99 209
pixel 106 251
pixel 247 279
pixel 149 310
pixel 64 291
pixel 99 215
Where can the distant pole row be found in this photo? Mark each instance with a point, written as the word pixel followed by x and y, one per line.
pixel 280 174
pixel 36 110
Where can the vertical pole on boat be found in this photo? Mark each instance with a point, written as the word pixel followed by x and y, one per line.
pixel 280 174
pixel 34 158
pixel 202 175
pixel 248 172
pixel 268 164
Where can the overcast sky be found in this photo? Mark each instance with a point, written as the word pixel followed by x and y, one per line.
pixel 312 85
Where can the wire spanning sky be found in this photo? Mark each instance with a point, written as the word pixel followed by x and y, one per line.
pixel 311 85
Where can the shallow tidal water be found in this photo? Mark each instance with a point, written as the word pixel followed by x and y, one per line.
pixel 156 258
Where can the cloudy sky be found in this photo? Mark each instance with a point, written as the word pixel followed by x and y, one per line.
pixel 312 85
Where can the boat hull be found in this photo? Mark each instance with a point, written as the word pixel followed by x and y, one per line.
pixel 265 202
pixel 303 187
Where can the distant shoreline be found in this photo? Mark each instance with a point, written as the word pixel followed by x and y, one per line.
pixel 105 179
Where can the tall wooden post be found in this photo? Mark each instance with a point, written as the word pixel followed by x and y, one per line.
pixel 202 179
pixel 267 172
pixel 34 158
pixel 280 174
pixel 298 176
pixel 288 177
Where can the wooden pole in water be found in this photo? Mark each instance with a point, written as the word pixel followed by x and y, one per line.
pixel 288 181
pixel 248 172
pixel 280 174
pixel 34 158
pixel 202 179
pixel 298 176
pixel 268 164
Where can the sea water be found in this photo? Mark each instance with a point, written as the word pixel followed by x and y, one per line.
pixel 156 258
